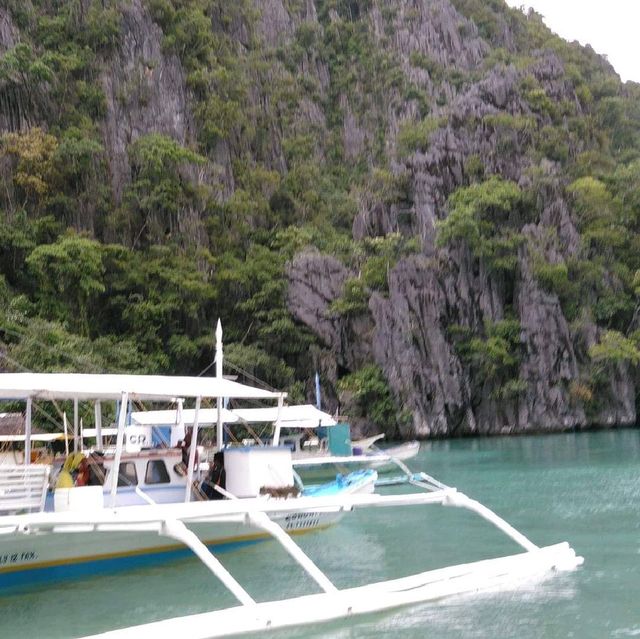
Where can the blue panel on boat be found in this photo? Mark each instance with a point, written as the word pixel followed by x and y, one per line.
pixel 91 568
pixel 341 484
pixel 161 436
pixel 339 440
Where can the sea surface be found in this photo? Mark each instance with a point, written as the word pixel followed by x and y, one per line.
pixel 583 488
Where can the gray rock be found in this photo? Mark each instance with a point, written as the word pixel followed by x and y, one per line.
pixel 549 363
pixel 429 294
pixel 8 33
pixel 145 91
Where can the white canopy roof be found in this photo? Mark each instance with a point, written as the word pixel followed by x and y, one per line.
pixel 110 387
pixel 302 416
pixel 206 417
pixel 93 432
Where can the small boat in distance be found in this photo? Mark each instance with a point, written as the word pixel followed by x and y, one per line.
pixel 320 445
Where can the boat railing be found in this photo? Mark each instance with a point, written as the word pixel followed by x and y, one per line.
pixel 23 489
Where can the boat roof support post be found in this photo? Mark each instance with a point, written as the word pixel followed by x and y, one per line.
pixel 219 425
pixel 192 451
pixel 75 425
pixel 66 434
pixel 115 471
pixel 27 433
pixel 97 409
pixel 178 433
pixel 276 432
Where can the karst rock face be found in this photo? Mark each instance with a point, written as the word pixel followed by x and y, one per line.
pixel 407 329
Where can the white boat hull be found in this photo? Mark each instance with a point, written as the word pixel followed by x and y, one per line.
pixel 49 556
pixel 28 559
pixel 403 452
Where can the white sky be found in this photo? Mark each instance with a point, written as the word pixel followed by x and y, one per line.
pixel 609 26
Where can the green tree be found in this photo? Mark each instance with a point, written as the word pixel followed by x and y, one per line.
pixel 372 396
pixel 70 276
pixel 486 216
pixel 34 175
pixel 615 348
pixel 160 188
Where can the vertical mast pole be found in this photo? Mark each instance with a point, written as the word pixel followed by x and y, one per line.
pixel 220 430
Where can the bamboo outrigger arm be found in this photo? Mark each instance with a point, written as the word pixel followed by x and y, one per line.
pixel 172 520
pixel 177 530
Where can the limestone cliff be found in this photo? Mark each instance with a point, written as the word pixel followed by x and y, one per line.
pixel 398 105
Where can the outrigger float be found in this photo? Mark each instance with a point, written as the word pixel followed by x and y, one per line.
pixel 331 603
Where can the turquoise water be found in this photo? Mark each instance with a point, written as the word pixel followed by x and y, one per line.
pixel 583 488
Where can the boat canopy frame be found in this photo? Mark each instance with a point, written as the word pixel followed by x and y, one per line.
pixel 123 388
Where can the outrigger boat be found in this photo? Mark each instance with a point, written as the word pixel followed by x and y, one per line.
pixel 155 480
pixel 183 526
pixel 320 445
pixel 187 525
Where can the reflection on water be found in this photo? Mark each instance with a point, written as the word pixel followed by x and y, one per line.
pixel 578 487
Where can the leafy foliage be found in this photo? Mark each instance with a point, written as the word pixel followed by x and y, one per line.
pixel 615 348
pixel 486 216
pixel 158 191
pixel 494 358
pixel 134 277
pixel 414 136
pixel 69 274
pixel 372 396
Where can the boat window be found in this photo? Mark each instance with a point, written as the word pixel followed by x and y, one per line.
pixel 291 443
pixel 156 473
pixel 127 475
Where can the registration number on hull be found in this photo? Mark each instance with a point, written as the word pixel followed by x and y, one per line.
pixel 18 557
pixel 295 521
